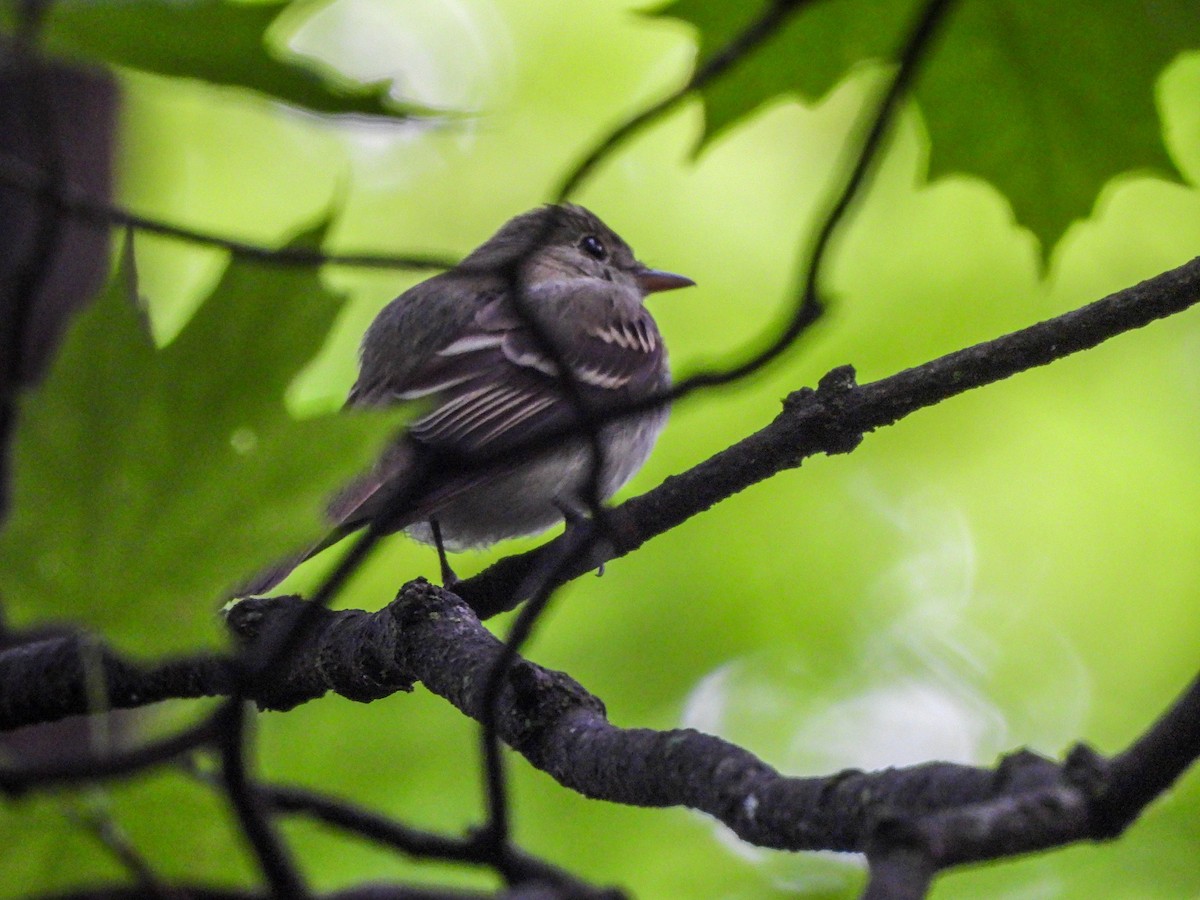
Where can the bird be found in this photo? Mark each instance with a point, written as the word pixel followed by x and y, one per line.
pixel 483 345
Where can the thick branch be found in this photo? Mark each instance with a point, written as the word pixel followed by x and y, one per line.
pixel 932 816
pixel 48 680
pixel 910 821
pixel 938 813
pixel 1097 799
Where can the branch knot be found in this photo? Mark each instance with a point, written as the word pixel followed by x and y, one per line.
pixel 822 416
pixel 350 652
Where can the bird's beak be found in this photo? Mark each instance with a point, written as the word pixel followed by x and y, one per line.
pixel 653 280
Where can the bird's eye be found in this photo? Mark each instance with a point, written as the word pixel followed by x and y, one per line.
pixel 590 244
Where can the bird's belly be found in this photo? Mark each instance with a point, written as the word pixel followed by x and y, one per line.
pixel 531 498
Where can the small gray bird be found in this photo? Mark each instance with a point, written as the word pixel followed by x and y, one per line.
pixel 459 341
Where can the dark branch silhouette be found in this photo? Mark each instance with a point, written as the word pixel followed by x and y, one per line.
pixel 912 823
pixel 421 844
pixel 836 416
pixel 755 34
pixel 539 585
pixel 113 838
pixel 366 891
pixel 955 814
pixel 45 680
pixel 276 862
pixel 83 206
pixel 18 780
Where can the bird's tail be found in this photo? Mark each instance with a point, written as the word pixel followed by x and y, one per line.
pixel 269 578
pixel 353 507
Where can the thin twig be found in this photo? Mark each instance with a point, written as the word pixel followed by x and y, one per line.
pixel 808 310
pixel 874 127
pixel 413 842
pixel 494 836
pixel 17 780
pixel 272 854
pixel 67 198
pixel 539 587
pixel 738 48
pixel 100 823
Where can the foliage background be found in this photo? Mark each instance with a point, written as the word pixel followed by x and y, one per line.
pixel 1015 567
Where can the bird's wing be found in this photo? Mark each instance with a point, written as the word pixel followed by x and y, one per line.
pixel 493 387
pixel 495 384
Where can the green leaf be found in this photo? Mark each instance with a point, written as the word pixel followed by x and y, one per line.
pixel 147 482
pixel 215 41
pixel 806 57
pixel 1048 101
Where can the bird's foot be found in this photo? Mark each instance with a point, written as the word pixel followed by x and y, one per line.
pixel 449 579
pixel 578 524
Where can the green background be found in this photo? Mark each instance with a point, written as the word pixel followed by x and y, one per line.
pixel 1014 568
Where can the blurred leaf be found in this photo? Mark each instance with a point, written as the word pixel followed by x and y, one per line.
pixel 215 41
pixel 44 831
pixel 806 57
pixel 149 481
pixel 1048 101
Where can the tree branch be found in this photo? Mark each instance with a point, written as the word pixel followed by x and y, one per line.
pixel 69 199
pixel 422 844
pixel 90 767
pixel 365 891
pixel 932 816
pixel 44 682
pixel 50 674
pixel 910 821
pixel 274 859
pixel 756 33
pixel 835 417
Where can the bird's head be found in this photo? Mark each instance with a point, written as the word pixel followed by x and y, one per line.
pixel 565 241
